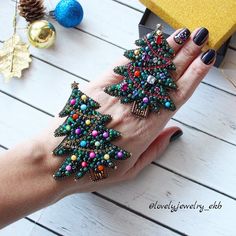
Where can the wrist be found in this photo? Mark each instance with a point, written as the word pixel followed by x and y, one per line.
pixel 27 171
pixel 46 164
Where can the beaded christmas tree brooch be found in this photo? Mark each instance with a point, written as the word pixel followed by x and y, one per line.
pixel 87 145
pixel 146 77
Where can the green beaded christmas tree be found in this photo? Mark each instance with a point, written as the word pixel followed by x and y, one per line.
pixel 146 77
pixel 87 145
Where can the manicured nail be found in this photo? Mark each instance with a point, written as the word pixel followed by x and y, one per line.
pixel 208 56
pixel 201 36
pixel 176 135
pixel 182 36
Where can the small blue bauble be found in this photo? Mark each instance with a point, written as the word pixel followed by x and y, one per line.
pixel 68 13
pixel 167 104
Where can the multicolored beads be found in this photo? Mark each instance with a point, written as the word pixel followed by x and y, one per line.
pixel 146 78
pixel 87 141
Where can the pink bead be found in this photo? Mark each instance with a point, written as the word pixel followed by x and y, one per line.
pixel 145 100
pixel 120 154
pixel 72 102
pixel 84 164
pixel 105 134
pixel 92 154
pixel 124 87
pixel 68 168
pixel 95 133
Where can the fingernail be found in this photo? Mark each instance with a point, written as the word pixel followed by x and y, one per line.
pixel 176 135
pixel 201 36
pixel 182 36
pixel 208 56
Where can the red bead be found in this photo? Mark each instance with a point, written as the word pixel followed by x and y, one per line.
pixel 137 73
pixel 84 164
pixel 159 39
pixel 75 116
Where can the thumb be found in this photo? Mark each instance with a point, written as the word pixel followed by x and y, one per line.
pixel 155 149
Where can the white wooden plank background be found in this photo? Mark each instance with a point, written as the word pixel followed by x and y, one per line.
pixel 200 166
pixel 96 216
pixel 26 228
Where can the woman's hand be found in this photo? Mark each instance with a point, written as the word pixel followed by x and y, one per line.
pixel 146 139
pixel 31 164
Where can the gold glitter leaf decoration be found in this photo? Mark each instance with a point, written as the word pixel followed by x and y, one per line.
pixel 14 57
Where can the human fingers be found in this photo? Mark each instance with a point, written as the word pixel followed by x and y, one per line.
pixel 189 51
pixel 178 38
pixel 193 76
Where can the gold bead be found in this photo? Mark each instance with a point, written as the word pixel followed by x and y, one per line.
pixel 136 52
pixel 87 122
pixel 84 97
pixel 41 34
pixel 73 157
pixel 106 156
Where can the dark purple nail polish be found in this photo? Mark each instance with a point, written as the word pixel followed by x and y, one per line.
pixel 182 36
pixel 176 135
pixel 201 36
pixel 208 56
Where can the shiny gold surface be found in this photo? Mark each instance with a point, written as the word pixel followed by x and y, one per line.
pixel 41 34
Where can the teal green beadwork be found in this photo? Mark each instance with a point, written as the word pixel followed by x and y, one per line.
pixel 147 75
pixel 82 149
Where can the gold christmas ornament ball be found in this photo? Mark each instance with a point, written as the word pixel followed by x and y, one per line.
pixel 41 34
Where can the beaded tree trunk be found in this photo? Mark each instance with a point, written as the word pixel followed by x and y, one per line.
pixel 146 78
pixel 87 145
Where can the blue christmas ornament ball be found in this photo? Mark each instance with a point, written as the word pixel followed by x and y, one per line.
pixel 68 13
